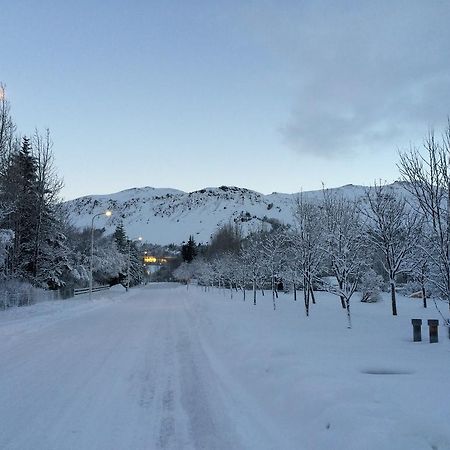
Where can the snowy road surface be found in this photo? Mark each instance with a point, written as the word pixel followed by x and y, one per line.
pixel 161 367
pixel 131 375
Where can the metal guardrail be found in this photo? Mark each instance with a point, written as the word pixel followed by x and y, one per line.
pixel 86 290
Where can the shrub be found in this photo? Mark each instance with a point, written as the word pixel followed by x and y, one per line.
pixel 371 284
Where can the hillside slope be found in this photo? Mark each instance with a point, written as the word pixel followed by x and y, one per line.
pixel 164 216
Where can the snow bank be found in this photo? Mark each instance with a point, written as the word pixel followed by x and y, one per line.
pixel 323 386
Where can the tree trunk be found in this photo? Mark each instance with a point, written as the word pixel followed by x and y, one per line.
pixel 254 291
pixel 37 242
pixel 424 295
pixel 349 317
pixel 312 293
pixel 273 291
pixel 295 292
pixel 306 297
pixel 343 304
pixel 393 300
pixel 448 294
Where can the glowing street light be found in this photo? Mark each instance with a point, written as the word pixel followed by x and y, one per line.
pixel 107 214
pixel 129 259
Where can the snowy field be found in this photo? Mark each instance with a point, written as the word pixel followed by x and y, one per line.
pixel 161 367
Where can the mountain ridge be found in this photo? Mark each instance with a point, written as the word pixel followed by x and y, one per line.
pixel 166 215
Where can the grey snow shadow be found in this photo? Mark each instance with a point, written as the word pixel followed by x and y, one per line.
pixel 384 371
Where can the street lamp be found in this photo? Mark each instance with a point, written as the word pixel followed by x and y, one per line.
pixel 107 214
pixel 129 258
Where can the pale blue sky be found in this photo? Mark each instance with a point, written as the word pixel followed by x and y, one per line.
pixel 269 95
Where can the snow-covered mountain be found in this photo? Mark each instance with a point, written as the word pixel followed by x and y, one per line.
pixel 164 216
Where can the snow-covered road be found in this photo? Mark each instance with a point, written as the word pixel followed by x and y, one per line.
pixel 161 367
pixel 130 375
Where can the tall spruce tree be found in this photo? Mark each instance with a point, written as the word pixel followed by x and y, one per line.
pixel 189 250
pixel 120 238
pixel 20 194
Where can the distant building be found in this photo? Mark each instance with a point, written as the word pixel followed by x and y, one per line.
pixel 151 260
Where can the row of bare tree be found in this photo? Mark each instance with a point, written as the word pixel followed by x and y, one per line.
pixel 338 244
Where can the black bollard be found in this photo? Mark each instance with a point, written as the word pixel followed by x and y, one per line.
pixel 433 325
pixel 417 329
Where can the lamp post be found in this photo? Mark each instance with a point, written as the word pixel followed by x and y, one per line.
pixel 107 214
pixel 129 259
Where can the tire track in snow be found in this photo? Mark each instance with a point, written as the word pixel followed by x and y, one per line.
pixel 210 427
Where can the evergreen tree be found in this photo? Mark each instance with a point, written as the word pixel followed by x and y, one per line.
pixel 30 188
pixel 120 238
pixel 19 193
pixel 136 265
pixel 189 250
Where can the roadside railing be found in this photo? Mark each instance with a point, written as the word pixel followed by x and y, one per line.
pixel 15 293
pixel 86 290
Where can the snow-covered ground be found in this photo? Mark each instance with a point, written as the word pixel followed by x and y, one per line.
pixel 164 367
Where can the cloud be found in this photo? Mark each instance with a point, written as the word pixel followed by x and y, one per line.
pixel 366 75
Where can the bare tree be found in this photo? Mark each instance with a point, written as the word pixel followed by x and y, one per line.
pixel 391 228
pixel 420 265
pixel 49 186
pixel 8 142
pixel 203 272
pixel 307 246
pixel 345 246
pixel 229 264
pixel 7 126
pixel 184 273
pixel 242 273
pixel 252 257
pixel 218 270
pixel 273 246
pixel 428 180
